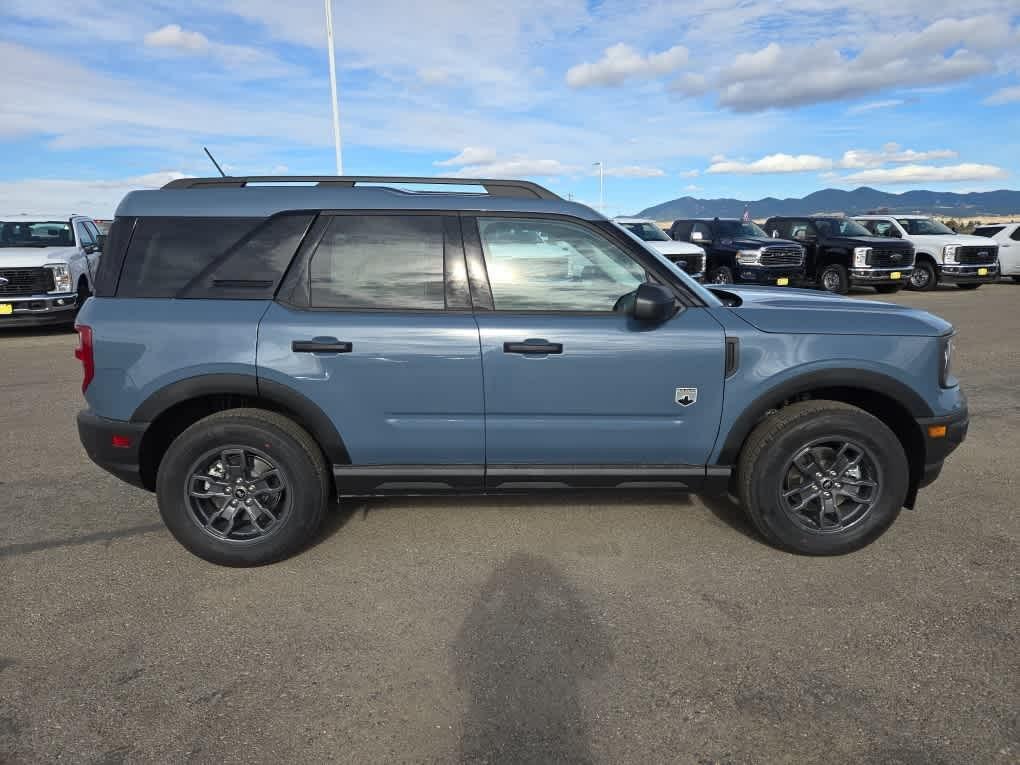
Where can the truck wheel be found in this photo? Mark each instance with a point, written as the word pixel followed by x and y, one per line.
pixel 822 478
pixel 243 487
pixel 968 286
pixel 888 289
pixel 721 275
pixel 923 278
pixel 834 279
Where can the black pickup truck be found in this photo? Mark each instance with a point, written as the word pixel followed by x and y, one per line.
pixel 842 253
pixel 740 252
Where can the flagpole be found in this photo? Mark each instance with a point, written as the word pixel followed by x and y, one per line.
pixel 332 87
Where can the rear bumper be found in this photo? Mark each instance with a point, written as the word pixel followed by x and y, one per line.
pixel 39 310
pixel 871 276
pixel 968 274
pixel 938 448
pixel 97 436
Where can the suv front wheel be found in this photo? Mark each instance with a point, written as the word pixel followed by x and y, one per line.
pixel 822 478
pixel 243 487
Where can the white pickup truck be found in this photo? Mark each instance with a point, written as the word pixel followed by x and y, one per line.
pixel 941 255
pixel 47 267
pixel 690 257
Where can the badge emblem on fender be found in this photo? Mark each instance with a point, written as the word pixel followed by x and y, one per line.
pixel 686 396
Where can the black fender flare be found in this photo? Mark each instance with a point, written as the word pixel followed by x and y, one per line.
pixel 311 415
pixel 858 379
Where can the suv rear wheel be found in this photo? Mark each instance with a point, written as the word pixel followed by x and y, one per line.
pixel 243 487
pixel 822 478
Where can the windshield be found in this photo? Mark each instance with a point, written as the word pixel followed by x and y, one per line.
pixel 36 234
pixel 732 228
pixel 649 232
pixel 924 226
pixel 841 227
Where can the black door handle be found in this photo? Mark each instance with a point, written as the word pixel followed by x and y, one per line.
pixel 533 347
pixel 321 346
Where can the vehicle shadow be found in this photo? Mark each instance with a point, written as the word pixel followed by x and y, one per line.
pixel 522 655
pixel 726 509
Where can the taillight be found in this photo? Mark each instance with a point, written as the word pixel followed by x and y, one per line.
pixel 85 355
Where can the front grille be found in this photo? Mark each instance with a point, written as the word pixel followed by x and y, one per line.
pixel 25 281
pixel 782 256
pixel 891 258
pixel 691 264
pixel 980 255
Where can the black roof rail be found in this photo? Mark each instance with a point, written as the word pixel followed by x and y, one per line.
pixel 495 188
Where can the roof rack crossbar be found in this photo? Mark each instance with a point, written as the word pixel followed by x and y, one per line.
pixel 495 188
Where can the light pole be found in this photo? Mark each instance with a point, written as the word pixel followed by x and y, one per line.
pixel 332 87
pixel 602 186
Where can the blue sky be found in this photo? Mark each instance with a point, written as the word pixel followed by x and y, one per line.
pixel 711 98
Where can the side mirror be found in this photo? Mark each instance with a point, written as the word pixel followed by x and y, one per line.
pixel 653 303
pixel 101 242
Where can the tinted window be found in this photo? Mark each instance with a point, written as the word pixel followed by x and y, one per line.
pixel 1016 234
pixel 545 265
pixel 988 231
pixel 924 227
pixel 735 228
pixel 85 237
pixel 647 232
pixel 35 234
pixel 379 261
pixel 210 257
pixel 882 228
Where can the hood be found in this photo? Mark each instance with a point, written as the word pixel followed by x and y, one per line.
pixel 875 242
pixel 967 240
pixel 676 248
pixel 754 242
pixel 787 311
pixel 33 257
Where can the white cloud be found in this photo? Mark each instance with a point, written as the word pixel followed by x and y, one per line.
pixel 891 153
pixel 97 198
pixel 773 163
pixel 172 36
pixel 515 167
pixel 692 187
pixel 927 174
pixel 1004 96
pixel 949 50
pixel 621 62
pixel 694 173
pixel 633 171
pixel 873 105
pixel 470 155
pixel 691 84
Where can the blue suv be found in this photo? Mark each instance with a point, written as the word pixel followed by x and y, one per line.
pixel 255 349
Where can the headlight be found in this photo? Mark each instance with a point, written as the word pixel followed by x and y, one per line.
pixel 61 277
pixel 949 253
pixel 946 379
pixel 749 257
pixel 861 256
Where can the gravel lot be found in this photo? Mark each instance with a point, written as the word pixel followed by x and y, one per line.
pixel 510 630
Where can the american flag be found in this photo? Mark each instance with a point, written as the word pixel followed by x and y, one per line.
pixel 747 214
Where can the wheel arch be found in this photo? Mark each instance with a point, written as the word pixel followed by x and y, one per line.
pixel 890 400
pixel 169 411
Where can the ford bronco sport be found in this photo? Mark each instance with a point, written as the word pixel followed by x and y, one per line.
pixel 253 351
pixel 842 253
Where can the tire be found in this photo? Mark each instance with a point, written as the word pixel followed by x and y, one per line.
pixel 721 275
pixel 968 286
pixel 888 289
pixel 289 502
pixel 765 472
pixel 923 278
pixel 834 279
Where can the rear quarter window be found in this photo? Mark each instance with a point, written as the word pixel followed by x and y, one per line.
pixel 225 258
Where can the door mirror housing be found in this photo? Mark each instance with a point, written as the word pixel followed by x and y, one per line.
pixel 653 303
pixel 101 242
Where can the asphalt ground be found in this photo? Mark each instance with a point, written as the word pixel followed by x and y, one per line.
pixel 510 630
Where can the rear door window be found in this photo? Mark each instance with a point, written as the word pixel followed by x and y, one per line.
pixel 988 231
pixel 392 262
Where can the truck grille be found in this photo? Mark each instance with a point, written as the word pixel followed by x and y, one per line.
pixel 782 256
pixel 891 258
pixel 980 255
pixel 691 264
pixel 25 281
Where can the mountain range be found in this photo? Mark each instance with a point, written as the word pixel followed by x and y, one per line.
pixel 856 202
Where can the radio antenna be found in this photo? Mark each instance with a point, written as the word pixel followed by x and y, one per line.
pixel 213 160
